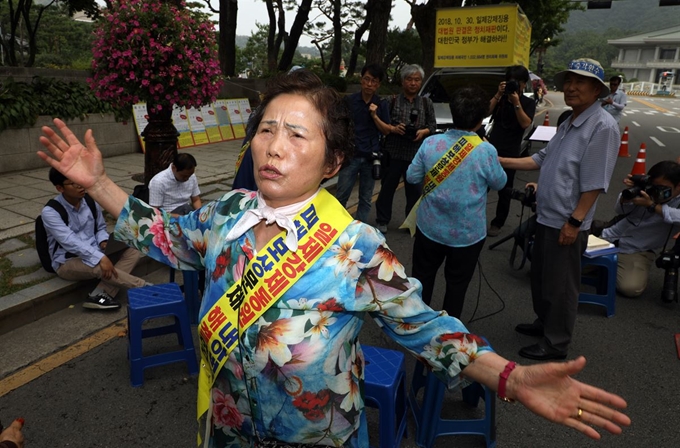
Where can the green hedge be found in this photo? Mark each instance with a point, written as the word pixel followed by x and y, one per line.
pixel 21 103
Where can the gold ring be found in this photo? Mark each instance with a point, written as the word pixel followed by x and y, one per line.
pixel 580 413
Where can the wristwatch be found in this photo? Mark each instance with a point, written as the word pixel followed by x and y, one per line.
pixel 652 208
pixel 574 222
pixel 518 107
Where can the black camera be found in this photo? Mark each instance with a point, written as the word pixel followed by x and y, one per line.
pixel 411 129
pixel 376 171
pixel 511 87
pixel 527 196
pixel 642 182
pixel 670 261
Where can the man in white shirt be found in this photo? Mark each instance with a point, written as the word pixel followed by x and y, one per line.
pixel 616 100
pixel 175 189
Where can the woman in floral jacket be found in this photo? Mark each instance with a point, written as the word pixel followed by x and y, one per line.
pixel 295 375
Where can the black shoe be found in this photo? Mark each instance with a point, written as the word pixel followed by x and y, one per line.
pixel 101 301
pixel 540 354
pixel 529 329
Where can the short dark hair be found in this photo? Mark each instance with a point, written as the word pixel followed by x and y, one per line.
pixel 337 125
pixel 667 169
pixel 469 105
pixel 616 78
pixel 517 72
pixel 184 161
pixel 56 177
pixel 374 70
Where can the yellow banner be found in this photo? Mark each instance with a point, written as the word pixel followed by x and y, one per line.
pixel 266 279
pixel 440 171
pixel 483 36
pixel 239 159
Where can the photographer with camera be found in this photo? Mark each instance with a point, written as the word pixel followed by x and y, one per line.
pixel 511 113
pixel 412 120
pixel 575 167
pixel 647 218
pixel 451 218
pixel 371 121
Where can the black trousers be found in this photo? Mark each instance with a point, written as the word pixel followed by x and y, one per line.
pixel 504 200
pixel 555 285
pixel 460 266
pixel 388 185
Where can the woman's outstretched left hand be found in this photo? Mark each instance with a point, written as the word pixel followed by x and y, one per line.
pixel 549 391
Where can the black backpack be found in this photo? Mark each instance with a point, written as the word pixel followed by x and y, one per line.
pixel 141 192
pixel 41 244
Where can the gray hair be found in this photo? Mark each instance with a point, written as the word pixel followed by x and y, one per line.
pixel 412 69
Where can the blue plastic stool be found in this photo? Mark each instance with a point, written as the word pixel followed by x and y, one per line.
pixel 605 285
pixel 427 415
pixel 190 293
pixel 151 302
pixel 385 389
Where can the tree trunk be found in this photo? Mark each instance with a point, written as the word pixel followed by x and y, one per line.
pixel 358 34
pixel 296 30
pixel 377 34
pixel 336 54
pixel 272 51
pixel 227 38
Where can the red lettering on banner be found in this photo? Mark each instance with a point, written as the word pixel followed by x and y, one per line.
pixel 295 259
pixel 310 249
pixel 276 283
pixel 216 317
pixel 325 233
pixel 246 314
pixel 205 332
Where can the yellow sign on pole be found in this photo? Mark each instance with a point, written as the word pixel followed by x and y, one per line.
pixel 482 36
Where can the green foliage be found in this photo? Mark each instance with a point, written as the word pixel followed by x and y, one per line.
pixel 18 105
pixel 62 40
pixel 21 103
pixel 337 82
pixel 582 44
pixel 402 48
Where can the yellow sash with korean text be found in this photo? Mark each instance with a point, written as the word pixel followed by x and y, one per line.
pixel 241 154
pixel 440 171
pixel 266 279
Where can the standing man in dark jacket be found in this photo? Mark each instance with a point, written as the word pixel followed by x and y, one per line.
pixel 512 113
pixel 413 119
pixel 371 120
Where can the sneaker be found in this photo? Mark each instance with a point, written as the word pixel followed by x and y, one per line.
pixel 381 227
pixel 101 301
pixel 493 231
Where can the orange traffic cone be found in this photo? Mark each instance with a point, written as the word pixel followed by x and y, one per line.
pixel 546 120
pixel 623 149
pixel 639 167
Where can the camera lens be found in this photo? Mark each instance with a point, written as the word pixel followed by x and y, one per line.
pixel 376 171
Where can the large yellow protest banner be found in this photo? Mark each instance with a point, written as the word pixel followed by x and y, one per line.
pixel 483 36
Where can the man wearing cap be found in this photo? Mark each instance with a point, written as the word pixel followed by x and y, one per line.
pixel 576 166
pixel 616 100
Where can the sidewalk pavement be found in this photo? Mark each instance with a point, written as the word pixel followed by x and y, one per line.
pixel 23 194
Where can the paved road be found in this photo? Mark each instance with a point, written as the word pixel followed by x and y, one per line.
pixel 88 402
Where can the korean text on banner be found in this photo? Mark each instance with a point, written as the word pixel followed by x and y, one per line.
pixel 210 123
pixel 197 126
pixel 483 36
pixel 181 121
pixel 222 114
pixel 236 118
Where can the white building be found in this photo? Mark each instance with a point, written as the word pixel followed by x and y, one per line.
pixel 646 56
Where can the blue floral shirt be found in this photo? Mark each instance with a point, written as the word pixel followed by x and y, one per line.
pixel 454 213
pixel 297 372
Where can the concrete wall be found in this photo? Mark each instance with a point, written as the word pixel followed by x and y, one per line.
pixel 18 146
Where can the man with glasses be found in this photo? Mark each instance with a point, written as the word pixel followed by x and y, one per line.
pixel 371 120
pixel 412 120
pixel 78 249
pixel 616 100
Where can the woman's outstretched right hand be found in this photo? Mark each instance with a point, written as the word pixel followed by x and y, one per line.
pixel 82 164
